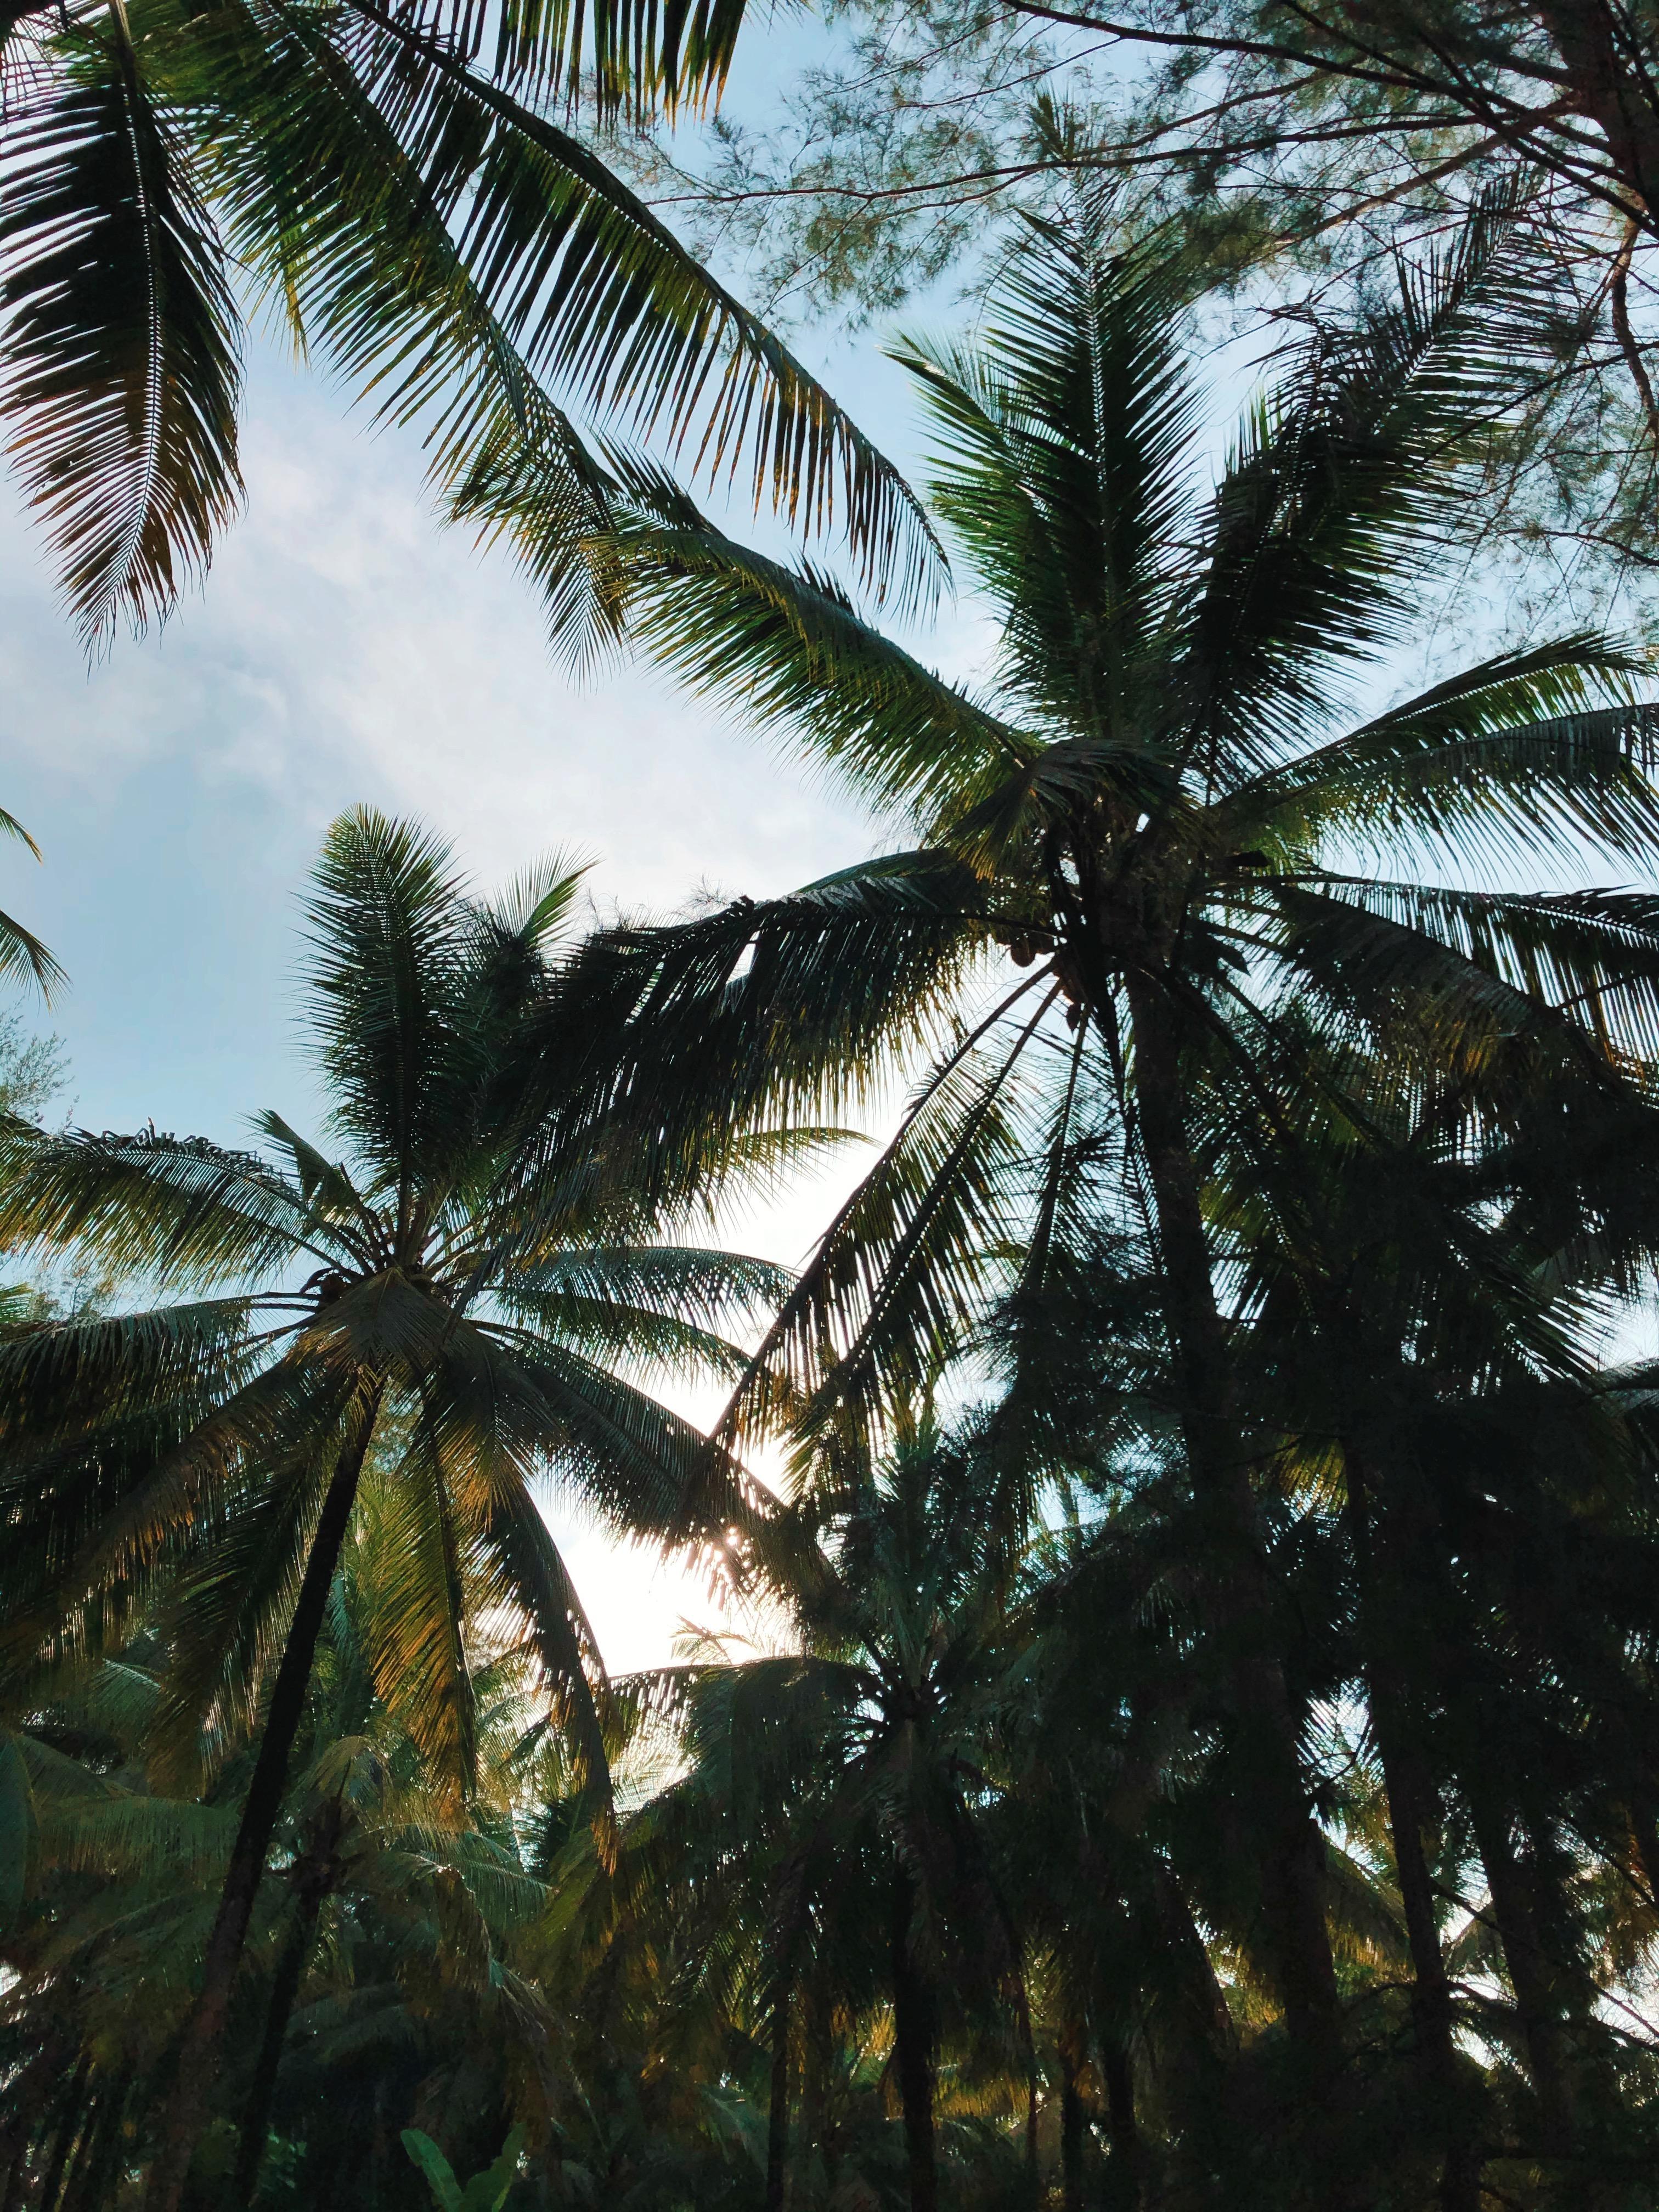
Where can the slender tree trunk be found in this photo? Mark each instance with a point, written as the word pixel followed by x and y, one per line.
pixel 777 2113
pixel 30 2097
pixel 1286 1839
pixel 913 2048
pixel 313 1878
pixel 69 2128
pixel 1074 2132
pixel 1408 1796
pixel 202 2045
pixel 1529 1974
pixel 1122 2130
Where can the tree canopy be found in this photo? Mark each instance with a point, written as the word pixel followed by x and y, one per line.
pixel 1179 1729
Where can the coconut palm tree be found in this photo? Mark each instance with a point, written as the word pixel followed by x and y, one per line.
pixel 122 1880
pixel 439 1274
pixel 403 191
pixel 1161 812
pixel 844 1782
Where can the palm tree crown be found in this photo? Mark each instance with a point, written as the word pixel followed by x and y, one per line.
pixel 1156 810
pixel 460 1283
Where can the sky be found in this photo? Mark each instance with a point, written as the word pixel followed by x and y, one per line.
pixel 346 649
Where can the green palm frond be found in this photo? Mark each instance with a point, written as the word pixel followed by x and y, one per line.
pixel 536 909
pixel 1472 766
pixel 388 930
pixel 631 58
pixel 773 642
pixel 1086 334
pixel 23 956
pixel 518 1564
pixel 646 1470
pixel 677 1278
pixel 122 380
pixel 592 294
pixel 65 1377
pixel 414 1619
pixel 1582 964
pixel 181 1210
pixel 1337 491
pixel 898 1281
pixel 22 953
pixel 160 1844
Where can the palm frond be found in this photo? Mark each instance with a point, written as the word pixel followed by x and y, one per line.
pixel 388 928
pixel 122 378
pixel 643 1467
pixel 898 1281
pixel 1064 445
pixel 630 58
pixel 758 1013
pixel 1340 491
pixel 1509 754
pixel 414 1619
pixel 1583 965
pixel 593 295
pixel 778 644
pixel 180 1210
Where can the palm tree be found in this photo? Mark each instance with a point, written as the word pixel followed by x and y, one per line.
pixel 1157 811
pixel 846 1781
pixel 458 1281
pixel 401 200
pixel 121 1881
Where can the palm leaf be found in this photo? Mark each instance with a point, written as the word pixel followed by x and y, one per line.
pixel 122 382
pixel 776 643
pixel 592 292
pixel 1064 447
pixel 1341 483
pixel 389 930
pixel 1582 964
pixel 180 1210
pixel 898 1281
pixel 1508 753
pixel 628 56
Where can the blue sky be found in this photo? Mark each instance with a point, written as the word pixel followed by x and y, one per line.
pixel 344 649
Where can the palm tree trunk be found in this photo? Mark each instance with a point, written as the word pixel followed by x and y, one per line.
pixel 1073 2133
pixel 314 1877
pixel 1529 1975
pixel 777 2113
pixel 1433 2019
pixel 1409 1799
pixel 1121 2128
pixel 1289 1849
pixel 202 2045
pixel 913 2049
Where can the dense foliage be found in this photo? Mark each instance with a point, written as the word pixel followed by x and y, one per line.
pixel 1184 1733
